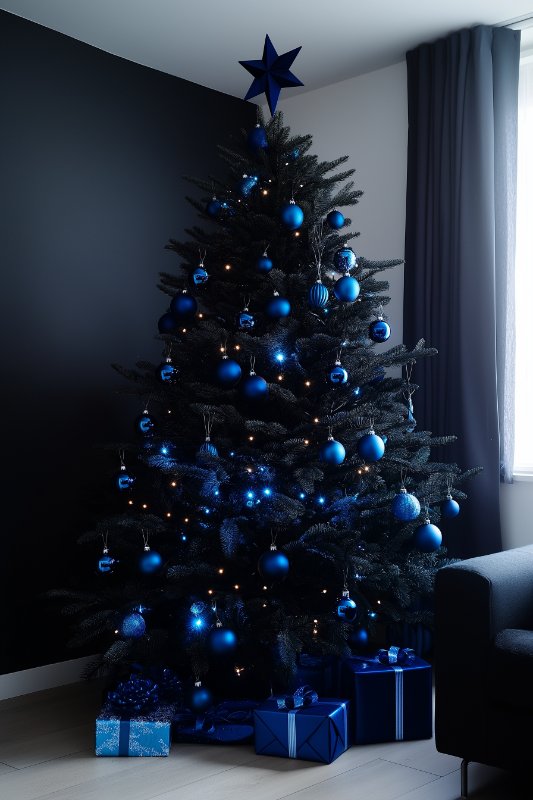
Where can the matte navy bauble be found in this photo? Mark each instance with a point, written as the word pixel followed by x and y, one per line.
pixel 264 264
pixel 213 207
pixel 371 447
pixel 183 305
pixel 199 276
pixel 428 537
pixel 338 374
pixel 347 289
pixel 150 562
pixel 335 220
pixel 201 699
pixel 379 330
pixel 167 323
pixel 346 608
pixel 332 452
pixel 222 641
pixel 450 508
pixel 133 626
pixel 278 307
pixel 247 183
pixel 245 321
pixel 207 448
pixel 318 295
pixel 166 372
pixel 145 424
pixel 273 565
pixel 254 387
pixel 228 372
pixel 344 259
pixel 292 216
pixel 359 638
pixel 257 139
pixel 405 507
pixel 124 480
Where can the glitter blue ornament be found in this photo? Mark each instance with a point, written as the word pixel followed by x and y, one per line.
pixel 245 321
pixel 347 289
pixel 405 507
pixel 254 387
pixel 318 295
pixel 167 323
pixel 371 447
pixel 222 640
pixel 199 276
pixel 213 207
pixel 344 259
pixel 335 220
pixel 332 452
pixel 277 307
pixel 145 424
pixel 271 74
pixel 273 564
pixel 338 374
pixel 292 216
pixel 247 184
pixel 450 507
pixel 124 480
pixel 346 607
pixel 183 305
pixel 200 699
pixel 133 626
pixel 257 139
pixel 427 537
pixel 228 372
pixel 167 372
pixel 264 264
pixel 208 449
pixel 379 330
pixel 150 561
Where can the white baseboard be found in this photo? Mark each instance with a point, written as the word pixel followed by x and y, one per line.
pixel 35 680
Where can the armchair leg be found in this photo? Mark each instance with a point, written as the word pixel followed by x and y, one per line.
pixel 464 779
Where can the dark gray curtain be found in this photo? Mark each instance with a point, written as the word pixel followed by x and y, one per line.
pixel 459 259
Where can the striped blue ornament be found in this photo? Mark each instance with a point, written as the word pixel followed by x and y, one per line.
pixel 318 295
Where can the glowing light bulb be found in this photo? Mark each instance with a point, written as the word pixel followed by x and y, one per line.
pixel 280 377
pixel 221 571
pixel 267 492
pixel 321 500
pixel 308 383
pixel 173 484
pixel 302 495
pixel 237 587
pixel 168 514
pixel 145 505
pixel 227 267
pixel 250 438
pixel 237 347
pixel 130 502
pixel 280 358
pixel 306 441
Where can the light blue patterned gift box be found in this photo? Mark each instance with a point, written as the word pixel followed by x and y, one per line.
pixel 144 735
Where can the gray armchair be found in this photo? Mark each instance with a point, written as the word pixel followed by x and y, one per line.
pixel 484 660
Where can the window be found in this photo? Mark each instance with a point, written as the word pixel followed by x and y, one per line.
pixel 523 458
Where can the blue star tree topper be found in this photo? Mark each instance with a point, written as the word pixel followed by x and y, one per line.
pixel 271 74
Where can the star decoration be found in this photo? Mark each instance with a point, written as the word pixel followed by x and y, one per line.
pixel 271 74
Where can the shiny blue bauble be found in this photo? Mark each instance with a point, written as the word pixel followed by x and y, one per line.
pixel 133 626
pixel 450 508
pixel 228 373
pixel 332 452
pixel 427 538
pixel 273 565
pixel 371 447
pixel 278 307
pixel 247 183
pixel 379 330
pixel 257 139
pixel 150 562
pixel 347 289
pixel 245 321
pixel 254 387
pixel 183 305
pixel 166 372
pixel 201 699
pixel 222 641
pixel 124 480
pixel 292 216
pixel 346 609
pixel 264 264
pixel 207 449
pixel 335 220
pixel 106 563
pixel 213 207
pixel 167 323
pixel 145 424
pixel 405 507
pixel 344 259
pixel 318 295
pixel 338 374
pixel 199 276
pixel 359 638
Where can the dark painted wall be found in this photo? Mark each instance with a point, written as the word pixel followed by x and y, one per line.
pixel 92 153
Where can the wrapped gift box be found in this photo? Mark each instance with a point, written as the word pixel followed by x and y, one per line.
pixel 390 701
pixel 320 672
pixel 318 732
pixel 146 734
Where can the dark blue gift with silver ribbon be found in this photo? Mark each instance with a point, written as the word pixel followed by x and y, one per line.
pixel 391 696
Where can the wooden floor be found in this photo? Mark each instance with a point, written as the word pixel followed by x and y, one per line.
pixel 47 751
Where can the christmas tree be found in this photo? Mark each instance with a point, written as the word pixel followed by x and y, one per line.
pixel 278 497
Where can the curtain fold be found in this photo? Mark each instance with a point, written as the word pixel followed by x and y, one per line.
pixel 459 259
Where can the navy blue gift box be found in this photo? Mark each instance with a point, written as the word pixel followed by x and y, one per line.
pixel 391 696
pixel 320 672
pixel 315 732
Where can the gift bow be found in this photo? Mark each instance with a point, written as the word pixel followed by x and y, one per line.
pixel 396 655
pixel 134 696
pixel 303 696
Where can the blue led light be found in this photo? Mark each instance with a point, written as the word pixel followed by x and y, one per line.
pixel 250 495
pixel 372 614
pixel 164 451
pixel 217 493
pixel 232 453
pixel 321 500
pixel 302 495
pixel 280 358
pixel 267 492
pixel 183 537
pixel 197 623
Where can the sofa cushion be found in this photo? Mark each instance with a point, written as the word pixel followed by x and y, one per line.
pixel 510 670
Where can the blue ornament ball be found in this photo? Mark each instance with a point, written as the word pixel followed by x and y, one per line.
pixel 264 264
pixel 344 259
pixel 199 276
pixel 428 537
pixel 450 508
pixel 278 307
pixel 292 216
pixel 208 449
pixel 371 447
pixel 150 562
pixel 124 480
pixel 201 699
pixel 254 387
pixel 273 565
pixel 338 374
pixel 183 305
pixel 346 609
pixel 228 372
pixel 106 563
pixel 318 295
pixel 347 289
pixel 405 507
pixel 245 321
pixel 167 323
pixel 222 641
pixel 145 424
pixel 379 330
pixel 335 220
pixel 213 207
pixel 332 452
pixel 247 184
pixel 166 372
pixel 133 626
pixel 257 139
pixel 359 637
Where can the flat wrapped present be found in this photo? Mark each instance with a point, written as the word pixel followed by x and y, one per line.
pixel 391 696
pixel 317 731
